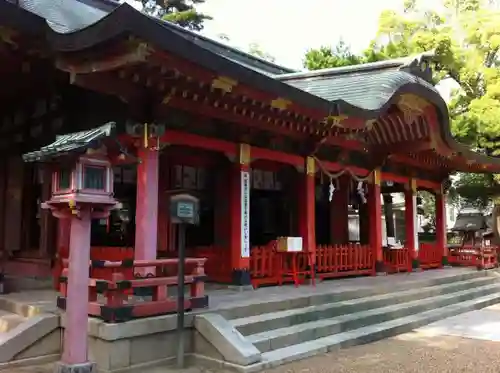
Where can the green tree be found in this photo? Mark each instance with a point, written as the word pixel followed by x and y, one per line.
pixel 328 57
pixel 465 36
pixel 181 12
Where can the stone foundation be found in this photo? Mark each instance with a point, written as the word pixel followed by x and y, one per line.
pixel 142 343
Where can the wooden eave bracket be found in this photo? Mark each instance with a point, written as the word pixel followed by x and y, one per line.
pixel 134 54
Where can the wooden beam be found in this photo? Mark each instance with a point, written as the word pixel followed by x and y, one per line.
pixel 405 147
pixel 108 59
pixel 107 84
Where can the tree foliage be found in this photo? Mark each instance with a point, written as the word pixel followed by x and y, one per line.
pixel 465 36
pixel 180 12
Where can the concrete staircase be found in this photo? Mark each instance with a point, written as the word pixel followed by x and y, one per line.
pixel 28 334
pixel 285 331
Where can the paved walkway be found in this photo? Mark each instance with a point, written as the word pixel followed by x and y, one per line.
pixel 221 297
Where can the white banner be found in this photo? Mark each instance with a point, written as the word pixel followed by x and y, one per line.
pixel 245 214
pixel 415 221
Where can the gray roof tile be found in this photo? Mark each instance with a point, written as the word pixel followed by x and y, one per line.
pixel 71 142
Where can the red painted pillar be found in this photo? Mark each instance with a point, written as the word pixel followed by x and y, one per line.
pixel 146 218
pixel 307 204
pixel 339 212
pixel 62 248
pixel 375 215
pixel 163 204
pixel 239 218
pixel 75 333
pixel 441 239
pixel 411 221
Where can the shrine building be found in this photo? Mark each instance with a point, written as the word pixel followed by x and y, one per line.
pixel 270 152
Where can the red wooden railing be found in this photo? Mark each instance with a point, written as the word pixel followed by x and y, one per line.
pixel 473 256
pixel 265 265
pixel 344 260
pixel 430 255
pixel 397 260
pixel 270 267
pixel 97 253
pixel 296 267
pixel 117 306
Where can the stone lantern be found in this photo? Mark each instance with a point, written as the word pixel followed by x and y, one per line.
pixel 82 190
pixel 85 183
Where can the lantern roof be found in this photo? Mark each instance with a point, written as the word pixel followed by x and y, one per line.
pixel 71 142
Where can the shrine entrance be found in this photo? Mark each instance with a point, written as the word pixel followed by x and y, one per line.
pixel 272 207
pixel 200 173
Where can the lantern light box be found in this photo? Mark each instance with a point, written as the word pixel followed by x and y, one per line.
pixel 87 179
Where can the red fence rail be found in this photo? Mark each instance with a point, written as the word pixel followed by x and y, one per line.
pixel 118 306
pixel 97 253
pixel 397 260
pixel 472 256
pixel 344 260
pixel 265 265
pixel 430 255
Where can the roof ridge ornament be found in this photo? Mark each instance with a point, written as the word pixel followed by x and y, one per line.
pixel 419 65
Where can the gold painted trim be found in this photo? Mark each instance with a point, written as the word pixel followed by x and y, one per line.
pixel 412 107
pixel 224 83
pixel 310 166
pixel 245 154
pixel 412 102
pixel 281 103
pixel 7 35
pixel 413 185
pixel 334 120
pixel 376 177
pixel 370 123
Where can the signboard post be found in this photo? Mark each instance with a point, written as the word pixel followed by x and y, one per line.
pixel 184 210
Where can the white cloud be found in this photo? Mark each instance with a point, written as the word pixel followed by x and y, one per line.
pixel 136 4
pixel 287 28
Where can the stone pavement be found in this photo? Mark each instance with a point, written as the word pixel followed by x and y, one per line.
pixel 465 343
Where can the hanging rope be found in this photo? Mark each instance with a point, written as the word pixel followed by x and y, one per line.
pixel 336 175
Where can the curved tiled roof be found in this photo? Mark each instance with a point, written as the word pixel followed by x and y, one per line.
pixel 364 91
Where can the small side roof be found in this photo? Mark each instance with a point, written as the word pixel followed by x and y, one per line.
pixel 470 220
pixel 71 142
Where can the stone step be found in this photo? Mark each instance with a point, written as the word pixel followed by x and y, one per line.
pixel 316 297
pixel 289 336
pixel 9 321
pixel 366 334
pixel 283 319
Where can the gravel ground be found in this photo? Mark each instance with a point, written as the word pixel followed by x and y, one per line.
pixel 418 351
pixel 414 352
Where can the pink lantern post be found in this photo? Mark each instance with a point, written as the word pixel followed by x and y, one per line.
pixel 81 191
